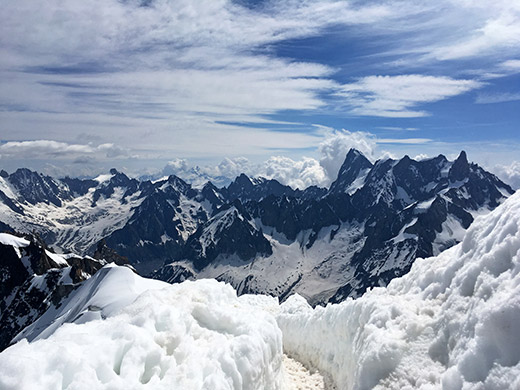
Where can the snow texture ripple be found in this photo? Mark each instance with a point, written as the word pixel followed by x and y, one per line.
pixel 452 323
pixel 194 335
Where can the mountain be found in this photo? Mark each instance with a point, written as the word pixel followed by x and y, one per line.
pixel 367 229
pixel 257 234
pixel 450 323
pixel 34 279
pixel 352 173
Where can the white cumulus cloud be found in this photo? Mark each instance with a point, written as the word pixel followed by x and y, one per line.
pixel 510 174
pixel 336 146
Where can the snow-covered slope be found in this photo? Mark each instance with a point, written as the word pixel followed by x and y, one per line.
pixel 120 331
pixel 257 234
pixel 33 279
pixel 452 322
pixel 65 218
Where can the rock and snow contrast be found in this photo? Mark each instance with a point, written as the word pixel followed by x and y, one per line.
pixel 33 279
pixel 451 323
pixel 127 332
pixel 257 234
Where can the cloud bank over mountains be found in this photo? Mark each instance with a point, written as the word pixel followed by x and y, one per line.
pixel 242 78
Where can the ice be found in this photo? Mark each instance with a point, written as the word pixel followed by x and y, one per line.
pixel 451 323
pixel 121 331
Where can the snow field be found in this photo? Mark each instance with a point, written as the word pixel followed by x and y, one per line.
pixel 453 322
pixel 195 335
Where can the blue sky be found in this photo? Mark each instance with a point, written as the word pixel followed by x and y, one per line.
pixel 260 86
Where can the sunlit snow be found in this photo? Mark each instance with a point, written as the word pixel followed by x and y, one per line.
pixel 451 323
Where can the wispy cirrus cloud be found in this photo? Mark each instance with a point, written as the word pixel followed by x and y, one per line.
pixel 153 76
pixel 491 98
pixel 399 96
pixel 46 148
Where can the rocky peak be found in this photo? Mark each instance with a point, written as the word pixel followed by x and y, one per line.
pixel 118 179
pixel 104 252
pixel 460 168
pixel 178 184
pixel 35 188
pixel 355 166
pixel 245 189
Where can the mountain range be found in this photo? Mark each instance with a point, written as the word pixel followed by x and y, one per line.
pixel 257 234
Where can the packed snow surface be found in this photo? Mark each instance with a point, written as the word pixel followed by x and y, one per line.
pixel 453 322
pixel 194 335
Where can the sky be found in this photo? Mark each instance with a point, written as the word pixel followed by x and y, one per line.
pixel 274 88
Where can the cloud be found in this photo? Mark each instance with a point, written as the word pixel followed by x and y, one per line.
pixel 408 141
pixel 496 28
pixel 178 167
pixel 297 174
pixel 397 96
pixel 149 80
pixel 395 128
pixel 220 175
pixel 231 167
pixel 490 98
pixel 421 156
pixel 511 65
pixel 41 149
pixel 335 147
pixel 510 174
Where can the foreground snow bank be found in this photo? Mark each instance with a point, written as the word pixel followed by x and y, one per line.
pixel 453 322
pixel 120 331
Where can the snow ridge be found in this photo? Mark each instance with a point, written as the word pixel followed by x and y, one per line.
pixel 194 335
pixel 452 322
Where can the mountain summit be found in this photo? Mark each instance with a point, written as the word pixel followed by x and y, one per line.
pixel 258 234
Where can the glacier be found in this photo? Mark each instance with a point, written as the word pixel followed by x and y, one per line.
pixel 451 323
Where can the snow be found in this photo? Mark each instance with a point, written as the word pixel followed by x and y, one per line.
pixel 121 331
pixel 451 323
pixel 358 182
pixel 59 260
pixel 423 206
pixel 7 189
pixel 186 214
pixel 16 243
pixel 10 240
pixel 298 377
pixel 78 224
pixel 402 236
pixel 452 232
pixel 315 272
pixel 403 195
pixel 218 223
pixel 104 178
